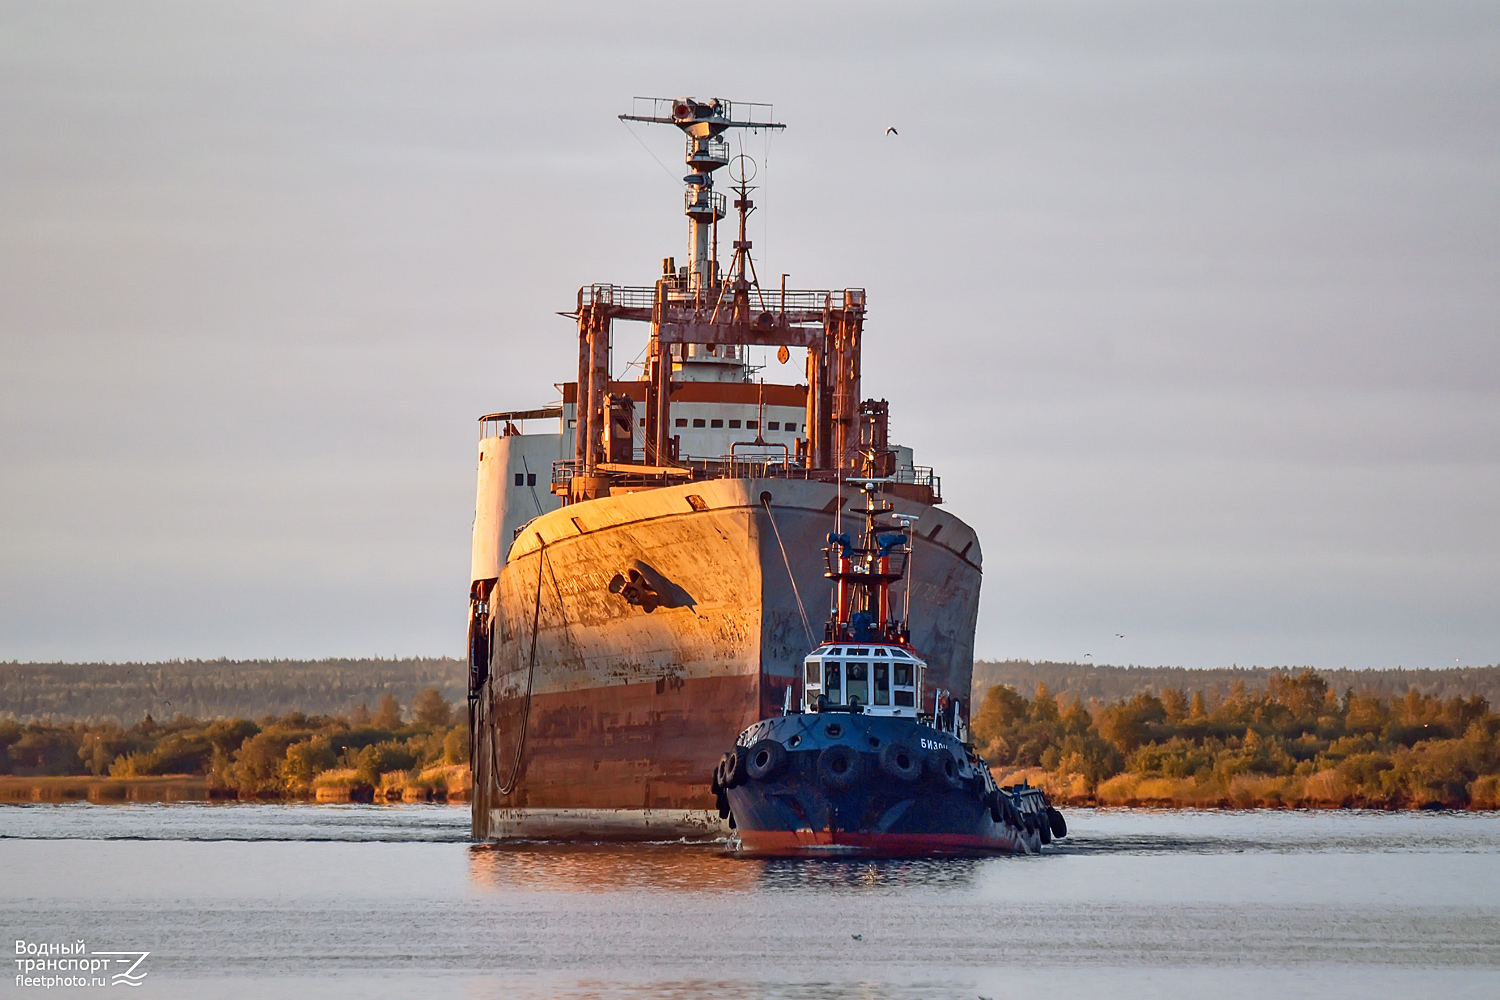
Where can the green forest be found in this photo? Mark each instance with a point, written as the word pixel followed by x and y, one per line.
pixel 1296 742
pixel 420 755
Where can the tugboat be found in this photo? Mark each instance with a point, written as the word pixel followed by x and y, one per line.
pixel 858 765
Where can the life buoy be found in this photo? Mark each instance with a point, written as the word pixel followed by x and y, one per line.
pixel 900 762
pixel 1057 823
pixel 992 800
pixel 765 760
pixel 838 766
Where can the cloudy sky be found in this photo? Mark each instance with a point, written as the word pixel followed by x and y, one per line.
pixel 1194 307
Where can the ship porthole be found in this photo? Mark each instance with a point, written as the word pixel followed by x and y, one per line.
pixel 794 741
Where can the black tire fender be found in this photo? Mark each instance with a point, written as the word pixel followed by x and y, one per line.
pixel 992 800
pixel 900 762
pixel 839 766
pixel 1057 823
pixel 734 768
pixel 942 769
pixel 765 760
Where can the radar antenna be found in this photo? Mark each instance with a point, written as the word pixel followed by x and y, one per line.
pixel 704 123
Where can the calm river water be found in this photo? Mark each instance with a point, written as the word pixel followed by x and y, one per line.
pixel 392 901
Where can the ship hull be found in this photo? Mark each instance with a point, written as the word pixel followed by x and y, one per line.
pixel 896 788
pixel 633 637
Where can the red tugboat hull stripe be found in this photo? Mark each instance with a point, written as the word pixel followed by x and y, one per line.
pixel 822 843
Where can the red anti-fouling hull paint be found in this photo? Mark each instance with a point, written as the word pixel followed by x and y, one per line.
pixel 823 843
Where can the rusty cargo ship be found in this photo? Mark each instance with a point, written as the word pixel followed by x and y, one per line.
pixel 646 572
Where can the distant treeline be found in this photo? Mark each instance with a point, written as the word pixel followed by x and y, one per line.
pixel 1086 681
pixel 218 689
pixel 418 754
pixel 1295 742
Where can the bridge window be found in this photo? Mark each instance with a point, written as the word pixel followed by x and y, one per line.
pixel 882 684
pixel 791 427
pixel 858 675
pixel 833 684
pixel 716 423
pixel 905 693
pixel 752 424
pixel 681 421
pixel 774 425
pixel 699 423
pixel 520 479
pixel 734 423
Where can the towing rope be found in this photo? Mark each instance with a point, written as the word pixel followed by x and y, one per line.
pixel 806 629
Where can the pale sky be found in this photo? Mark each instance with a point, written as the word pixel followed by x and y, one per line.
pixel 1194 307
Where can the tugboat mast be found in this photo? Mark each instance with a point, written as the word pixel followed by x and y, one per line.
pixel 862 573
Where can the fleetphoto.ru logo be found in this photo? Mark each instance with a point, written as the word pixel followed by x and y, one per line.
pixel 53 965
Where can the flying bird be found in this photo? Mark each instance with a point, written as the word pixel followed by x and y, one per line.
pixel 1119 635
pixel 857 937
pixel 892 131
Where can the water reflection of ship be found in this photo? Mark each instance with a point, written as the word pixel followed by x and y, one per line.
pixel 634 597
pixel 541 867
pixel 601 867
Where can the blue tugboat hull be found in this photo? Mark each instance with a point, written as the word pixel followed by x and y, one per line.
pixel 845 784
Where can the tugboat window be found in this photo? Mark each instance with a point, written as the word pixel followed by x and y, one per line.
pixel 699 423
pixel 881 652
pixel 882 684
pixel 906 699
pixel 833 684
pixel 859 683
pixel 903 674
pixel 813 679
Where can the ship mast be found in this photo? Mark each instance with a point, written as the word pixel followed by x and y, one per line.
pixel 704 123
pixel 701 321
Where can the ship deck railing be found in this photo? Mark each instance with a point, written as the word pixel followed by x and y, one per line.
pixel 773 299
pixel 739 466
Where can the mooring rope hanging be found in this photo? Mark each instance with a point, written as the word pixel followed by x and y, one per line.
pixel 536 620
pixel 806 628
